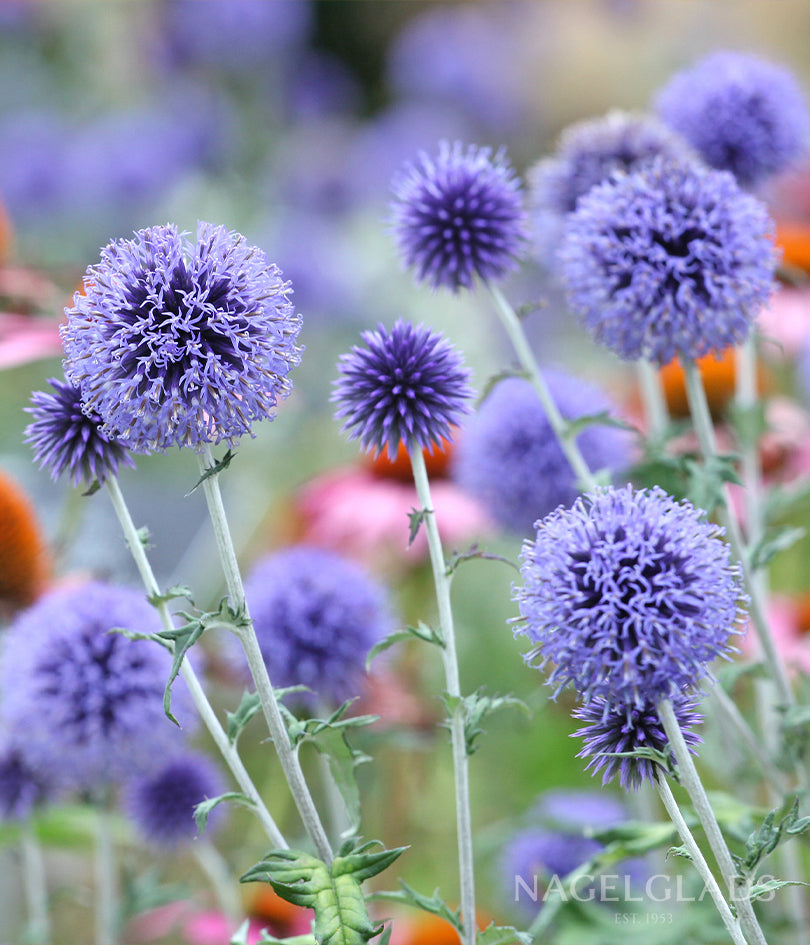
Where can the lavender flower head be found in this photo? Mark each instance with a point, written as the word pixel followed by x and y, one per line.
pixel 407 385
pixel 616 728
pixel 741 113
pixel 510 459
pixel 458 215
pixel 88 702
pixel 180 343
pixel 673 259
pixel 629 595
pixel 65 439
pixel 317 615
pixel 161 803
pixel 21 788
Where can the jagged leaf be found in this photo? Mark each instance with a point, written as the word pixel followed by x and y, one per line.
pixel 218 466
pixel 434 904
pixel 249 706
pixel 502 935
pixel 774 541
pixel 473 553
pixel 475 708
pixel 420 632
pixel 202 811
pixel 175 591
pixel 762 889
pixel 415 519
pixel 574 427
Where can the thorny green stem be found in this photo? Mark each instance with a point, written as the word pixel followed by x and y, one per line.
pixel 690 779
pixel 203 706
pixel 699 861
pixel 460 758
pixel 288 756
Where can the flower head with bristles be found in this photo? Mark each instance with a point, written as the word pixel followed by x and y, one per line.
pixel 407 385
pixel 628 595
pixel 65 439
pixel 613 729
pixel 180 343
pixel 459 215
pixel 672 260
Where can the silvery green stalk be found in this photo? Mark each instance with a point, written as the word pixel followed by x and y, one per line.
pixel 460 758
pixel 227 749
pixel 288 756
pixel 36 894
pixel 106 881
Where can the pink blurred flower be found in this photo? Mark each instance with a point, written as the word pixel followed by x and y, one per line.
pixel 24 339
pixel 786 320
pixel 789 621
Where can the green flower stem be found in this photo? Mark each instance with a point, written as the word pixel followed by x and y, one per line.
pixel 203 706
pixel 528 363
pixel 288 756
pixel 746 396
pixel 652 396
pixel 35 887
pixel 704 430
pixel 671 805
pixel 221 879
pixel 460 758
pixel 690 779
pixel 106 878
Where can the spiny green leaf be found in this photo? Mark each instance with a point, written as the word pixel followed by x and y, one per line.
pixel 420 632
pixel 502 935
pixel 249 706
pixel 218 466
pixel 415 519
pixel 762 889
pixel 92 489
pixel 707 479
pixel 434 904
pixel 774 541
pixel 475 708
pixel 473 553
pixel 203 810
pixel 574 427
pixel 362 864
pixel 175 591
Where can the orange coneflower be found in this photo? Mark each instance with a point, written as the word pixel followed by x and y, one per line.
pixel 24 564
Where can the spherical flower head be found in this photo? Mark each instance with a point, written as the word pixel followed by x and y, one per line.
pixel 161 803
pixel 629 595
pixel 317 615
pixel 510 459
pixel 21 788
pixel 65 439
pixel 458 215
pixel 178 343
pixel 578 811
pixel 741 113
pixel 89 701
pixel 592 151
pixel 407 385
pixel 672 260
pixel 614 728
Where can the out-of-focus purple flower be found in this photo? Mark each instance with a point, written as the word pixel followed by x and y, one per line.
pixel 578 811
pixel 509 458
pixel 672 260
pixel 629 595
pixel 21 788
pixel 34 162
pixel 741 113
pixel 317 614
pixel 65 439
pixel 613 727
pixel 320 85
pixel 546 853
pixel 161 803
pixel 407 385
pixel 87 703
pixel 180 343
pixel 458 215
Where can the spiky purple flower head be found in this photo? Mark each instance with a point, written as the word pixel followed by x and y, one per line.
pixel 88 703
pixel 740 112
pixel 65 439
pixel 458 215
pixel 173 342
pixel 317 614
pixel 21 788
pixel 161 803
pixel 628 595
pixel 672 260
pixel 407 385
pixel 510 459
pixel 613 728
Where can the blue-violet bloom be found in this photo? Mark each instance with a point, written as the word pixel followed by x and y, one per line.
pixel 741 113
pixel 614 728
pixel 629 595
pixel 178 343
pixel 21 788
pixel 672 260
pixel 510 460
pixel 66 439
pixel 87 702
pixel 459 215
pixel 407 385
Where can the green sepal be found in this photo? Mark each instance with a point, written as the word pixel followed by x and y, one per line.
pixel 92 489
pixel 420 632
pixel 202 811
pixel 475 708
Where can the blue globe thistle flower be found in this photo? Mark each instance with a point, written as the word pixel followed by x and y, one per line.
pixel 618 728
pixel 161 803
pixel 458 215
pixel 408 385
pixel 629 595
pixel 546 853
pixel 510 459
pixel 21 788
pixel 174 343
pixel 316 614
pixel 65 439
pixel 577 811
pixel 672 260
pixel 741 113
pixel 88 703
